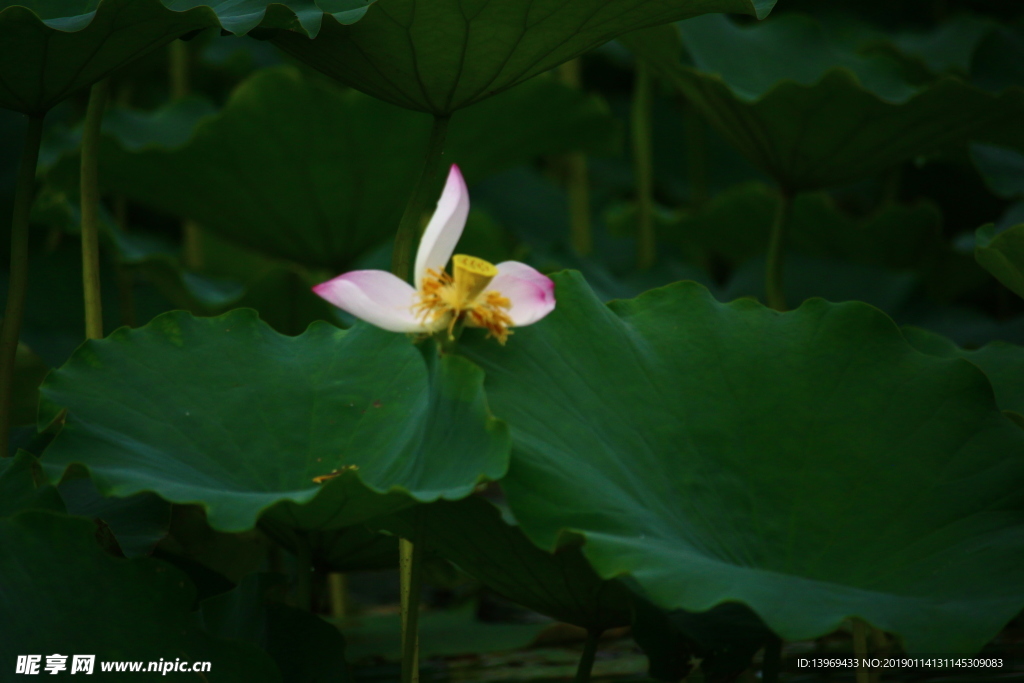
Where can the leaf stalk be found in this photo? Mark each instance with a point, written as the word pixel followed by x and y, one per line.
pixel 18 282
pixel 774 291
pixel 90 199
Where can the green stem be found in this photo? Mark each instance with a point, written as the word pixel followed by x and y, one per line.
pixel 410 559
pixel 577 182
pixel 773 274
pixel 18 283
pixel 640 124
pixel 772 666
pixel 860 649
pixel 337 588
pixel 90 198
pixel 419 200
pixel 178 71
pixel 586 664
pixel 696 154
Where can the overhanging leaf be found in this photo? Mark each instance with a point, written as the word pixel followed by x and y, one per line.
pixel 297 168
pixel 809 113
pixel 726 452
pixel 226 413
pixel 52 48
pixel 447 54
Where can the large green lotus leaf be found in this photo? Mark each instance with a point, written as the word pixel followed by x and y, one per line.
pixel 1002 363
pixel 447 54
pixel 52 48
pixel 226 413
pixel 297 168
pixel 57 582
pixel 730 453
pixel 1002 255
pixel 809 113
pixel 472 534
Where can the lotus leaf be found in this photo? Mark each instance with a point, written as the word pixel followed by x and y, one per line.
pixel 810 464
pixel 444 55
pixel 226 413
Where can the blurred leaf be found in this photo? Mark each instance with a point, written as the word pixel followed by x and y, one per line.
pixel 23 486
pixel 729 453
pixel 454 632
pixel 736 225
pixel 348 549
pixel 306 648
pixel 54 560
pixel 447 55
pixel 298 169
pixel 51 48
pixel 807 111
pixel 226 413
pixel 472 534
pixel 138 522
pixel 1002 168
pixel 190 542
pixel 806 277
pixel 1002 255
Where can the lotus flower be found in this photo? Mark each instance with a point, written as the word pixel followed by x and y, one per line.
pixel 478 293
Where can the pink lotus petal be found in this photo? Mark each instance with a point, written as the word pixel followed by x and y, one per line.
pixel 531 293
pixel 445 227
pixel 376 296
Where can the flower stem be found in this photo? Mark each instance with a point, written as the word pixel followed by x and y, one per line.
pixel 18 283
pixel 337 587
pixel 90 198
pixel 419 200
pixel 860 649
pixel 773 275
pixel 577 183
pixel 640 124
pixel 586 664
pixel 410 562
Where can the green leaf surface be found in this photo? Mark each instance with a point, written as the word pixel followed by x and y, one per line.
pixel 23 486
pixel 727 452
pixel 808 112
pixel 472 534
pixel 96 604
pixel 444 55
pixel 228 414
pixel 1002 363
pixel 138 522
pixel 50 49
pixel 1002 255
pixel 298 169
